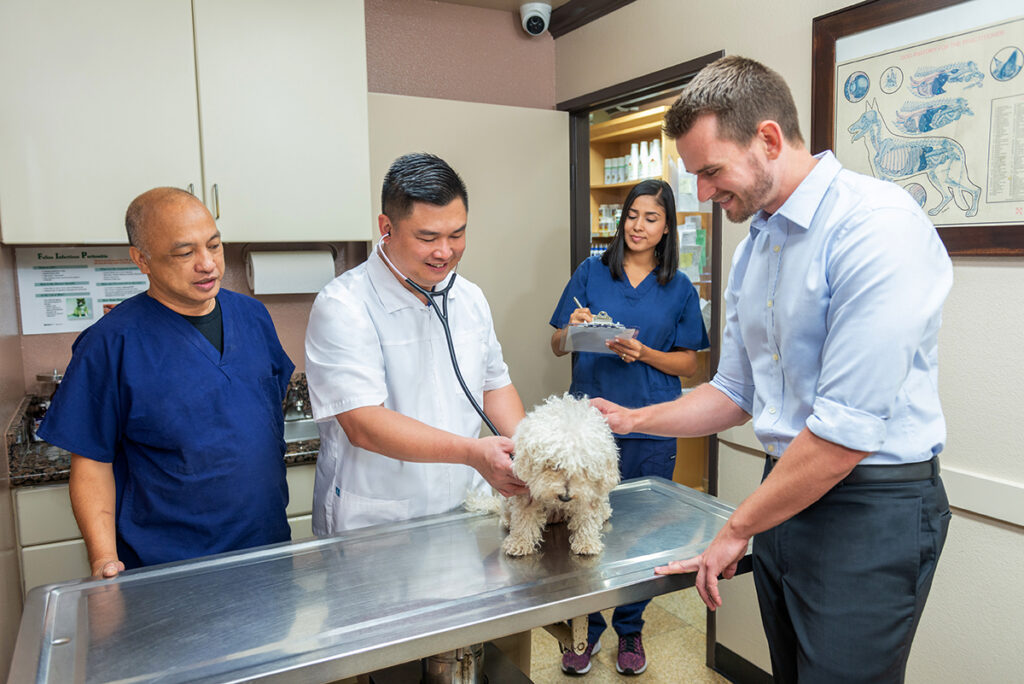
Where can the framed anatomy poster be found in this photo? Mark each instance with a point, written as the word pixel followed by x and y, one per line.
pixel 929 94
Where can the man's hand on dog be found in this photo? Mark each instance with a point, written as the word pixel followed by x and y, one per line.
pixel 620 419
pixel 492 459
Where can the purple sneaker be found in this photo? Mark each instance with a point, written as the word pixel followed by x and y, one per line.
pixel 578 664
pixel 631 660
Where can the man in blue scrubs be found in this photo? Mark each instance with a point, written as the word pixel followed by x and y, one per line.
pixel 171 405
pixel 833 310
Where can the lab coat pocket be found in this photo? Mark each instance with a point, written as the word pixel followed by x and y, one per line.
pixel 352 510
pixel 471 352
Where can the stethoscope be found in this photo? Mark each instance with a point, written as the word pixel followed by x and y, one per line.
pixel 442 315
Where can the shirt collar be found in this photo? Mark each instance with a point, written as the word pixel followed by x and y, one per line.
pixel 800 207
pixel 392 291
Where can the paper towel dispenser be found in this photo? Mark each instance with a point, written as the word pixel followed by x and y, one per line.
pixel 289 272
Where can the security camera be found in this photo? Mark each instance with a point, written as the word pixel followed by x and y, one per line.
pixel 536 17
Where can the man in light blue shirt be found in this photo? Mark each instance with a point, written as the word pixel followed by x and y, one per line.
pixel 833 309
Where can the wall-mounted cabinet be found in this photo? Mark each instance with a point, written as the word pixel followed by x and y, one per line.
pixel 258 106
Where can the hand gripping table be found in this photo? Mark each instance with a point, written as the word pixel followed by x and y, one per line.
pixel 325 609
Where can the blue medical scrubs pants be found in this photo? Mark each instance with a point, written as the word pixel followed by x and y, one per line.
pixel 637 458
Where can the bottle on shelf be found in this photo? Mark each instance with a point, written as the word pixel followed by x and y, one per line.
pixel 634 161
pixel 654 165
pixel 645 161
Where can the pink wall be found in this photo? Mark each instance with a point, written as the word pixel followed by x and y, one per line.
pixel 12 387
pixel 12 390
pixel 455 52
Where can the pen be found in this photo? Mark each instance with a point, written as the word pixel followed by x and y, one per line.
pixel 578 305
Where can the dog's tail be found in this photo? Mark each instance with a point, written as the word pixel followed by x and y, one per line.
pixel 480 502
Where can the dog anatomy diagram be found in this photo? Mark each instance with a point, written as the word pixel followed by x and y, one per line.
pixel 931 81
pixel 1006 63
pixel 941 160
pixel 943 118
pixel 918 117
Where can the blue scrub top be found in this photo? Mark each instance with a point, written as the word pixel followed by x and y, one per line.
pixel 665 316
pixel 196 437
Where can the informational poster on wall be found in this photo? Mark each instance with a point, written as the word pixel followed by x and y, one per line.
pixel 943 117
pixel 67 289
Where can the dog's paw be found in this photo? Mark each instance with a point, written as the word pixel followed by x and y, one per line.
pixel 586 547
pixel 514 546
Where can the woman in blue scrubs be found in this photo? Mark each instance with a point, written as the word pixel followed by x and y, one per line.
pixel 637 283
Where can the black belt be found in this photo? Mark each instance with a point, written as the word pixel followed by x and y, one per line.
pixel 904 472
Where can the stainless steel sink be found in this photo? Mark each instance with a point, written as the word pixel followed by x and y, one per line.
pixel 300 430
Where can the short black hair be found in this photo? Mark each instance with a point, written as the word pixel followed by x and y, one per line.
pixel 666 252
pixel 419 177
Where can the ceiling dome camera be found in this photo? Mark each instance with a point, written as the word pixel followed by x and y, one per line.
pixel 536 17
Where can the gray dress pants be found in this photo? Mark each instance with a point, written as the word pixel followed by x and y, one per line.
pixel 841 586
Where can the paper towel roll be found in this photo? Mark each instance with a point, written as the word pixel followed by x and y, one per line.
pixel 289 272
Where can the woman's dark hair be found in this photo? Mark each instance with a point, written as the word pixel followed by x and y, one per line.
pixel 666 253
pixel 419 177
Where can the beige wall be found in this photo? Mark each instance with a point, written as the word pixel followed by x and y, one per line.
pixel 453 52
pixel 12 389
pixel 513 161
pixel 966 634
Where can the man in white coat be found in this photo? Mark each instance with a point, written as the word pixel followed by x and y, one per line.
pixel 398 436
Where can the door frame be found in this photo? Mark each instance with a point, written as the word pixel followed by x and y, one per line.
pixel 579 109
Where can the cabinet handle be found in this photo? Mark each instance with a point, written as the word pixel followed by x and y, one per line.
pixel 192 189
pixel 216 202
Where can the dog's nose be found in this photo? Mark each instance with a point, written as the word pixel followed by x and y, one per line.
pixel 564 497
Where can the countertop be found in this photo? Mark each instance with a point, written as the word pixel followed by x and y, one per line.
pixel 36 463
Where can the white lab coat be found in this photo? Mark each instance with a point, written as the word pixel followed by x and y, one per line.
pixel 372 342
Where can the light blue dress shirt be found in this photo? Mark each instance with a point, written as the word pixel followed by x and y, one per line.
pixel 832 318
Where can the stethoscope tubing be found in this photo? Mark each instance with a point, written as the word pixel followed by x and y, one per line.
pixel 443 317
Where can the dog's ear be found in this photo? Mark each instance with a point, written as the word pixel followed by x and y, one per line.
pixel 522 463
pixel 610 473
pixel 609 478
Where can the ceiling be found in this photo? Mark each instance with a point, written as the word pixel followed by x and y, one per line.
pixel 507 5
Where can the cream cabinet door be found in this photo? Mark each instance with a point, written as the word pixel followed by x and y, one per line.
pixel 97 104
pixel 52 563
pixel 282 93
pixel 43 514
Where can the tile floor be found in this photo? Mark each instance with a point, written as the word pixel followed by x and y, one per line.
pixel 673 639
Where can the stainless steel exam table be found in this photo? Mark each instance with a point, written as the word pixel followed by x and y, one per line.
pixel 325 609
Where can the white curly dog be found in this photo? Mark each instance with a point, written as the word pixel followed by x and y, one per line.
pixel 567 456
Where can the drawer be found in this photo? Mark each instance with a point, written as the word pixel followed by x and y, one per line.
pixel 50 563
pixel 44 515
pixel 300 489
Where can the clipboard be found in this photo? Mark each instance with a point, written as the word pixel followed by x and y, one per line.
pixel 591 337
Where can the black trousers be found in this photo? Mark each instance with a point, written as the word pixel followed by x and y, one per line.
pixel 842 585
